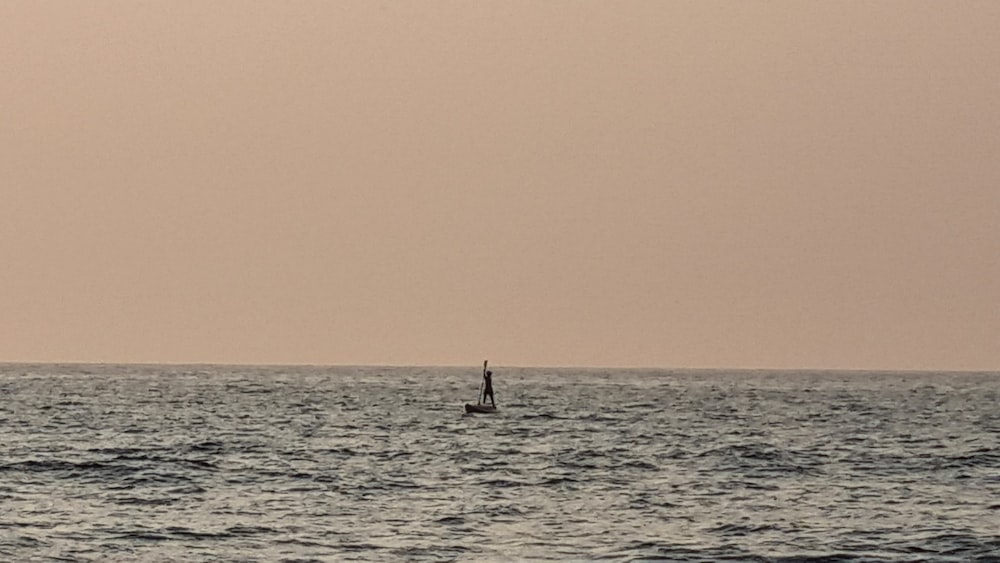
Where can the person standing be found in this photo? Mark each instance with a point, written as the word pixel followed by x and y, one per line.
pixel 488 386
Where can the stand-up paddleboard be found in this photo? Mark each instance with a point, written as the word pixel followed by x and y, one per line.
pixel 480 407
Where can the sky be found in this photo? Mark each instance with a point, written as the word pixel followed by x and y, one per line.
pixel 707 184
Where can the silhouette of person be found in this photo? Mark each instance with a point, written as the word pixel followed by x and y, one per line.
pixel 488 389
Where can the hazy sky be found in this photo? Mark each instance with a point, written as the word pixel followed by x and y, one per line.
pixel 677 184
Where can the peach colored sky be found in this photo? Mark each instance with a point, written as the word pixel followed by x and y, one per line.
pixel 677 184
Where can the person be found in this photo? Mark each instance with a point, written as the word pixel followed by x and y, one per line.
pixel 488 388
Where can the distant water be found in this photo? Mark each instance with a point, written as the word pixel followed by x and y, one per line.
pixel 207 463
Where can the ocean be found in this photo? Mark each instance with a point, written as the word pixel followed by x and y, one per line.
pixel 296 464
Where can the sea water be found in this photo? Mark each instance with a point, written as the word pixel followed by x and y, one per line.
pixel 230 463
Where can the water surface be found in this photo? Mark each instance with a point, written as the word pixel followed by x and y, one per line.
pixel 181 463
